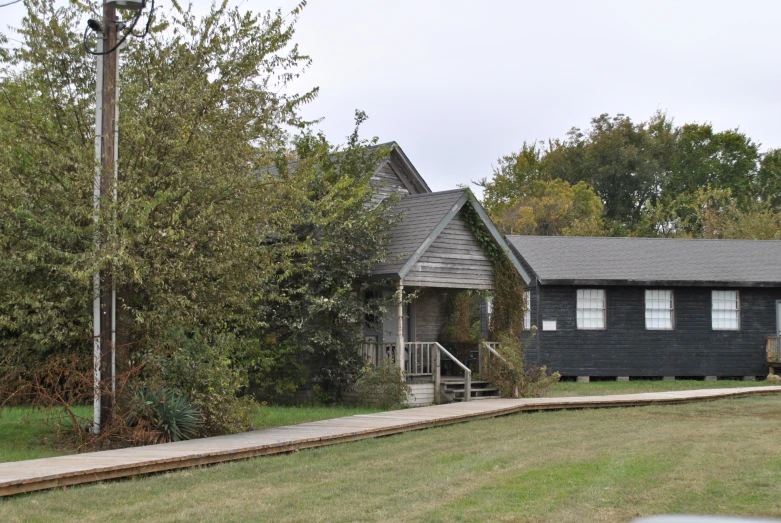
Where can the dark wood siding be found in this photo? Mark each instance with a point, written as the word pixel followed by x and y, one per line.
pixel 626 348
pixel 454 260
pixel 386 182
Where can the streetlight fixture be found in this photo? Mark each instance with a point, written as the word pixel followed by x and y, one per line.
pixel 135 5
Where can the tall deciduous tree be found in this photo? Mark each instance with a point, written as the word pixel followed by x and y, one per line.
pixel 218 261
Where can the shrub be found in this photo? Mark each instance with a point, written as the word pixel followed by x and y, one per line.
pixel 513 377
pixel 160 415
pixel 205 371
pixel 382 385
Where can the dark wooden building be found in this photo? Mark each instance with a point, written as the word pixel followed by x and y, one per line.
pixel 642 307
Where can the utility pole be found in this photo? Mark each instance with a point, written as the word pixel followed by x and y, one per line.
pixel 107 184
pixel 104 306
pixel 105 190
pixel 96 345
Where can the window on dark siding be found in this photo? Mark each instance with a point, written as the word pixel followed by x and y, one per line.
pixel 591 308
pixel 527 315
pixel 659 312
pixel 725 310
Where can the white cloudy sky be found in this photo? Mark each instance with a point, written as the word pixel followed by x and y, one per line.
pixel 458 84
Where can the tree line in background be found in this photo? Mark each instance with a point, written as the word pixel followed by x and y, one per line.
pixel 651 178
pixel 231 268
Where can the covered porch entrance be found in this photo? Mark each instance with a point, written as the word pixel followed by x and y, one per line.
pixel 439 246
pixel 436 370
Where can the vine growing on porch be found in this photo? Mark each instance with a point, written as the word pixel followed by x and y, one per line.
pixel 512 375
pixel 508 299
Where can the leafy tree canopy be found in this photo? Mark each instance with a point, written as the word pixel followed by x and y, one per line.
pixel 635 169
pixel 224 258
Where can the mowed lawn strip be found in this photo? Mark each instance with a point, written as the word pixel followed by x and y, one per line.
pixel 601 388
pixel 608 465
pixel 25 433
pixel 28 433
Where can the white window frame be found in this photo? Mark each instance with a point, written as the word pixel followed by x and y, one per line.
pixel 527 310
pixel 719 297
pixel 658 298
pixel 587 294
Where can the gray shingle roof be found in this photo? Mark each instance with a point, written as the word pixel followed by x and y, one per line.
pixel 395 150
pixel 582 260
pixel 421 215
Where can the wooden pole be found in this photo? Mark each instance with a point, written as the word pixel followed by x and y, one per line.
pixel 400 328
pixel 107 183
pixel 437 377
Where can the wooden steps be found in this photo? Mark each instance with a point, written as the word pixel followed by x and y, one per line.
pixel 26 476
pixel 480 390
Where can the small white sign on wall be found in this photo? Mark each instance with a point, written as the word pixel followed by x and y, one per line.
pixel 549 325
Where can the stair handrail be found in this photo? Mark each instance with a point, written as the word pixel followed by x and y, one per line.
pixel 467 372
pixel 483 358
pixel 489 345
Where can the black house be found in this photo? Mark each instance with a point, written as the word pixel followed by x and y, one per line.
pixel 643 307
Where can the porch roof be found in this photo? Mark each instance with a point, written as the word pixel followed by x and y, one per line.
pixel 425 216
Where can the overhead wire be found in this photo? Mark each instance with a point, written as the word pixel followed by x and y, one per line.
pixel 127 31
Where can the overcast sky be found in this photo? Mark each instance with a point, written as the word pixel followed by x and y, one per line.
pixel 458 84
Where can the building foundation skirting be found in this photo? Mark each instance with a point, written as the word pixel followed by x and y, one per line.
pixel 711 378
pixel 749 378
pixel 668 378
pixel 622 378
pixel 583 379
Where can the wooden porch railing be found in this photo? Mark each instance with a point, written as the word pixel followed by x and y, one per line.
pixel 418 359
pixel 437 373
pixel 774 349
pixel 375 353
pixel 487 351
pixel 422 358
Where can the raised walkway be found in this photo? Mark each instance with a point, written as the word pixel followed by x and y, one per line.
pixel 25 476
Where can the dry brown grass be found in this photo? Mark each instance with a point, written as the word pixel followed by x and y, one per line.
pixel 594 465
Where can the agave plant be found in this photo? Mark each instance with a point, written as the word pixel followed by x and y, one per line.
pixel 163 414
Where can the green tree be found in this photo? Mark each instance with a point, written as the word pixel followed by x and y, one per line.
pixel 550 209
pixel 328 252
pixel 220 262
pixel 624 162
pixel 725 160
pixel 711 213
pixel 641 169
pixel 769 178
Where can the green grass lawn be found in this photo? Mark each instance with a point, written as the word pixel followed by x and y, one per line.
pixel 599 388
pixel 25 434
pixel 600 465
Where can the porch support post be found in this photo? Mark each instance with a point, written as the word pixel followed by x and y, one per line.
pixel 400 329
pixel 437 378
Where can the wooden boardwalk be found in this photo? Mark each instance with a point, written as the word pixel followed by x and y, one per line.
pixel 38 474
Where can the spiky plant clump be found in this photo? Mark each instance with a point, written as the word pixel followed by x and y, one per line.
pixel 160 415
